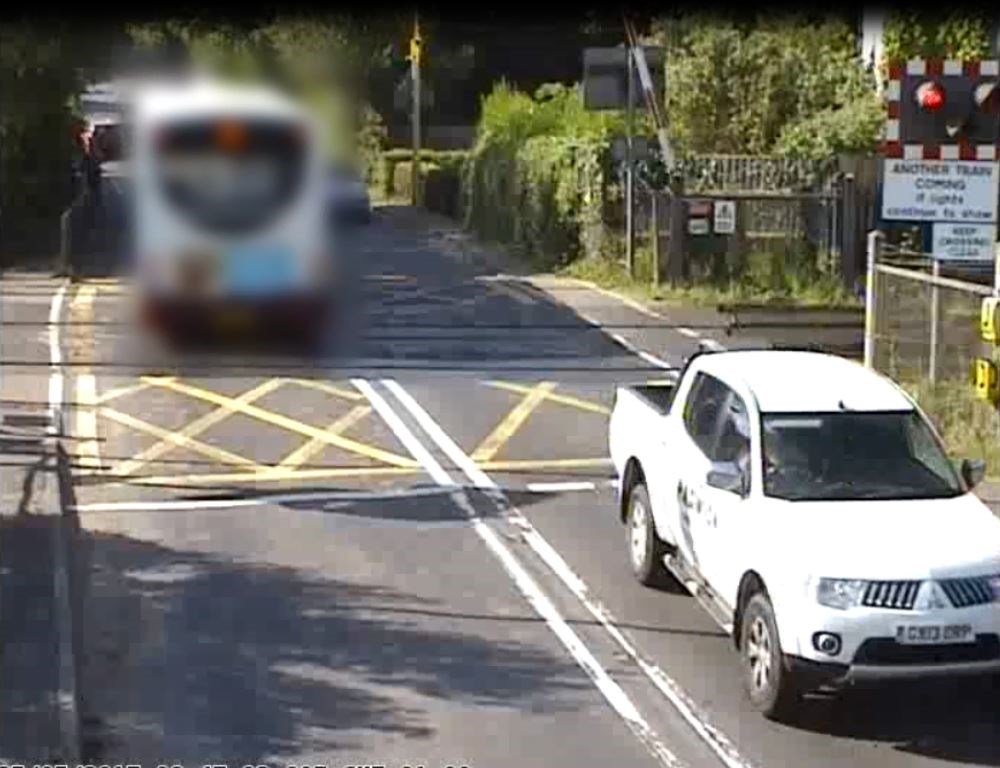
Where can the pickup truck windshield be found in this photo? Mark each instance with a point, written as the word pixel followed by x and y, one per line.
pixel 854 456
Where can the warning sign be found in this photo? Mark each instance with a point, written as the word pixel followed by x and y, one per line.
pixel 964 242
pixel 725 217
pixel 940 190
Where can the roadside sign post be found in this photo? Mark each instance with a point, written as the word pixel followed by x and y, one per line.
pixel 415 53
pixel 630 171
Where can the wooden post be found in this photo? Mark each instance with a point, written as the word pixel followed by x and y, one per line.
pixel 415 53
pixel 655 225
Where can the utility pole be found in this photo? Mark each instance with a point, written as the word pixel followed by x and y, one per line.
pixel 415 50
pixel 629 169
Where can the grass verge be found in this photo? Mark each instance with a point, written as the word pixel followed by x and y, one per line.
pixel 821 293
pixel 969 427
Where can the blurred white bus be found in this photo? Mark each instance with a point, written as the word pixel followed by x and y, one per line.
pixel 230 225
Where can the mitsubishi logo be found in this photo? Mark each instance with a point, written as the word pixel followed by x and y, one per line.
pixel 930 597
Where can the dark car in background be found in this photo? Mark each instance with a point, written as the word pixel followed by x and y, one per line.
pixel 347 195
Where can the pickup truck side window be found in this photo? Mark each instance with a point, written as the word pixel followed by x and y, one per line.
pixel 734 437
pixel 703 410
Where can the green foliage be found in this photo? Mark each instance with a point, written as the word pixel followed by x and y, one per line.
pixel 384 174
pixel 849 128
pixel 372 139
pixel 534 177
pixel 766 85
pixel 959 34
pixel 325 59
pixel 39 79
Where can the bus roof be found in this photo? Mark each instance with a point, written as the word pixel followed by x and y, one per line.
pixel 206 97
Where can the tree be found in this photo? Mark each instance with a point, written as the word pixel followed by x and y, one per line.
pixel 745 85
pixel 41 76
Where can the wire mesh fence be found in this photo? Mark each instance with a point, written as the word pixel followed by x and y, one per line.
pixel 926 337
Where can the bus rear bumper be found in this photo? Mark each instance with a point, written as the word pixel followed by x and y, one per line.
pixel 185 316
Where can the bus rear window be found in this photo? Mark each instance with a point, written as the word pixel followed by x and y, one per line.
pixel 230 176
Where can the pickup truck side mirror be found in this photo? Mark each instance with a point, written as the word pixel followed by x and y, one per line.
pixel 973 471
pixel 727 477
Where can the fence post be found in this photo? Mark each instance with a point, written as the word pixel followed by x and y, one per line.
pixel 65 240
pixel 675 252
pixel 848 230
pixel 874 252
pixel 655 226
pixel 935 313
pixel 996 271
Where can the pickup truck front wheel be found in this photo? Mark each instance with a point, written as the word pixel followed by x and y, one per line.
pixel 646 549
pixel 770 684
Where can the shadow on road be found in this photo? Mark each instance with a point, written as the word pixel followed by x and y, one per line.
pixel 28 641
pixel 947 720
pixel 189 656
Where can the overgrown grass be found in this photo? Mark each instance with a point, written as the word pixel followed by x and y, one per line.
pixel 969 427
pixel 820 292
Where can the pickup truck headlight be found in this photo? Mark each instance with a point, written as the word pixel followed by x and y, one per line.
pixel 840 593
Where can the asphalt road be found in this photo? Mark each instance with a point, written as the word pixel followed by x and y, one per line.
pixel 404 550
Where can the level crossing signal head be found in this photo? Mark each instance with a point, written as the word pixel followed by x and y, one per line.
pixel 930 96
pixel 948 102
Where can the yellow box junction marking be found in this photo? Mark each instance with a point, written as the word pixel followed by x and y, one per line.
pixel 269 476
pixel 177 439
pixel 526 465
pixel 329 389
pixel 114 394
pixel 574 402
pixel 285 422
pixel 301 455
pixel 195 428
pixel 505 430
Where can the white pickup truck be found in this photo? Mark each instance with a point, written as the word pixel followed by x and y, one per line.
pixel 809 505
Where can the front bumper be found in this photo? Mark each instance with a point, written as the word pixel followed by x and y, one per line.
pixel 869 651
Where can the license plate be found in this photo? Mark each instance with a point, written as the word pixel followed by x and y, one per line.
pixel 257 271
pixel 934 634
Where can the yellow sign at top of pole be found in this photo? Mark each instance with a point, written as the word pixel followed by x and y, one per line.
pixel 415 44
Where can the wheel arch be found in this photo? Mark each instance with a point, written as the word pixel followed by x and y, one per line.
pixel 750 584
pixel 632 476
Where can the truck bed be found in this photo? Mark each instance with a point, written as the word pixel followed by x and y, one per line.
pixel 659 396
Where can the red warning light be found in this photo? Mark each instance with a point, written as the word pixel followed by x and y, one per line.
pixel 930 96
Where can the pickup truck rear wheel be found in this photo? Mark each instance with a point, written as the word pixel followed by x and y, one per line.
pixel 645 548
pixel 772 687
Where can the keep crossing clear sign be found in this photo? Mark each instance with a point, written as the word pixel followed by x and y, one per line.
pixel 964 242
pixel 960 192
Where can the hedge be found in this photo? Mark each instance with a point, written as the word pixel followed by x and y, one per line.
pixel 391 160
pixel 535 179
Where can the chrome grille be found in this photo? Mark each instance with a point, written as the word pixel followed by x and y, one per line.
pixel 970 591
pixel 891 594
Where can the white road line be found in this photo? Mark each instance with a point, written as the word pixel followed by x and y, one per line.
pixel 612 692
pixel 556 487
pixel 684 331
pixel 717 741
pixel 256 501
pixel 55 357
pixel 409 441
pixel 649 358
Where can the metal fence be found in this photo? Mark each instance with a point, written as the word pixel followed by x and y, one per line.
pixel 795 217
pixel 923 332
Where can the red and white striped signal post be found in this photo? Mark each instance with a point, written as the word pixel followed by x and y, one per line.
pixel 943 109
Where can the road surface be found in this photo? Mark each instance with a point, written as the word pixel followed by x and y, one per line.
pixel 404 550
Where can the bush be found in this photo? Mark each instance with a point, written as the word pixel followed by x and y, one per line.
pixel 534 178
pixel 385 178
